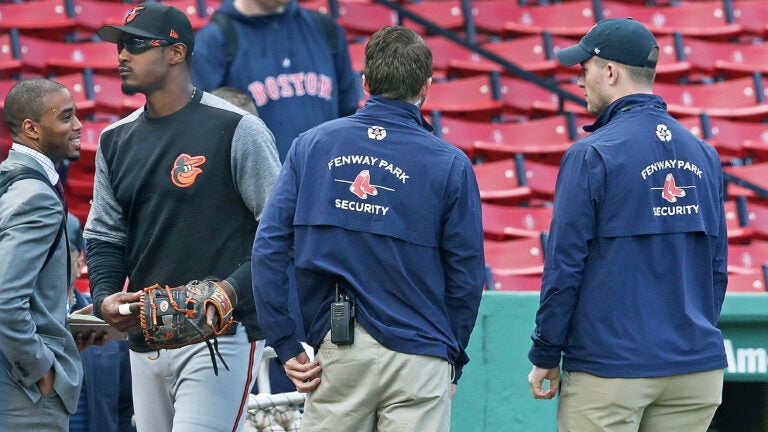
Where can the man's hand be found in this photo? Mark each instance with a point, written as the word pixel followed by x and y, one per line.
pixel 211 314
pixel 45 384
pixel 453 390
pixel 303 373
pixel 536 380
pixel 84 340
pixel 110 311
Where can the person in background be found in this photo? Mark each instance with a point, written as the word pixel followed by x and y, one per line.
pixel 237 98
pixel 292 61
pixel 41 370
pixel 635 265
pixel 382 220
pixel 105 403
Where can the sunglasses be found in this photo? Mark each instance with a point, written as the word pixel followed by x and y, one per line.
pixel 136 45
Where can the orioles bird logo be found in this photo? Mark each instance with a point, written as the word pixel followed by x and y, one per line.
pixel 133 13
pixel 185 169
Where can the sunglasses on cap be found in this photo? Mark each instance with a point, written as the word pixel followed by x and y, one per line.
pixel 136 45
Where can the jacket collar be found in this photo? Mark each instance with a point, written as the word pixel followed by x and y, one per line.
pixel 398 108
pixel 625 104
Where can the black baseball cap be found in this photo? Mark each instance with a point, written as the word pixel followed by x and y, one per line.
pixel 622 40
pixel 153 21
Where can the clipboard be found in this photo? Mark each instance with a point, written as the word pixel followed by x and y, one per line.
pixel 87 323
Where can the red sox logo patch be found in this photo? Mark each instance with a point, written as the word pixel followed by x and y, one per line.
pixel 185 170
pixel 362 185
pixel 163 306
pixel 670 191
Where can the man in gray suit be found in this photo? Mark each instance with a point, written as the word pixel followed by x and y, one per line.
pixel 41 376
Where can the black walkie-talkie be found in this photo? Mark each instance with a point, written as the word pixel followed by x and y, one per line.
pixel 342 320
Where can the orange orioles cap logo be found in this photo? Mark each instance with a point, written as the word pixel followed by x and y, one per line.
pixel 185 170
pixel 133 13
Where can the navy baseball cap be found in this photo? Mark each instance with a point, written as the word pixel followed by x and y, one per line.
pixel 622 40
pixel 153 21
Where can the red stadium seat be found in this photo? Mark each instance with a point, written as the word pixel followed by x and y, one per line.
pixel 736 232
pixel 445 14
pixel 5 86
pixel 670 68
pixel 444 51
pixel 726 137
pixel 747 258
pixel 514 257
pixel 110 98
pixel 504 222
pixel 540 178
pixel 756 148
pixel 318 5
pixel 471 98
pixel 197 17
pixel 464 133
pixel 528 99
pixel 515 282
pixel 363 18
pixel 569 19
pixel 509 18
pixel 726 59
pixel 747 283
pixel 44 56
pixel 751 179
pixel 752 16
pixel 696 19
pixel 356 54
pixel 80 185
pixel 544 139
pixel 81 93
pixel 92 14
pixel 9 64
pixel 89 142
pixel 734 99
pixel 530 53
pixel 757 219
pixel 739 138
pixel 499 182
pixel 44 18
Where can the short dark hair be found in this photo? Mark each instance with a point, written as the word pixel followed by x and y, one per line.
pixel 236 97
pixel 25 101
pixel 397 62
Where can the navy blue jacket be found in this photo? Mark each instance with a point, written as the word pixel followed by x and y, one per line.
pixel 635 266
pixel 378 203
pixel 283 61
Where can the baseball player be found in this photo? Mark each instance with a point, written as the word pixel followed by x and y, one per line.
pixel 179 188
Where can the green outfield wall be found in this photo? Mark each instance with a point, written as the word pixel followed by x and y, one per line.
pixel 493 394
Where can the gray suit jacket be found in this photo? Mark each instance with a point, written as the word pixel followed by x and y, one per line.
pixel 34 329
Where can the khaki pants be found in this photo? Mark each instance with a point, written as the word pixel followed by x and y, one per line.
pixel 665 404
pixel 366 387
